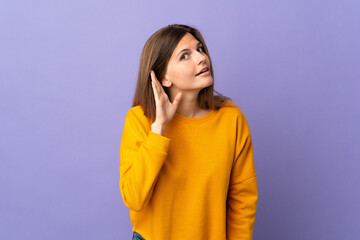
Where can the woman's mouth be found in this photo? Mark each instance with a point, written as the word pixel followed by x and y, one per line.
pixel 204 72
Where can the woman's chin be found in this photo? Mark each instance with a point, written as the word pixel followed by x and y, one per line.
pixel 209 82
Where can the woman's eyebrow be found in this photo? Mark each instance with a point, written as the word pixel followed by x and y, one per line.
pixel 186 49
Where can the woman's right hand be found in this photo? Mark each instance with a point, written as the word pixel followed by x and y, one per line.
pixel 165 110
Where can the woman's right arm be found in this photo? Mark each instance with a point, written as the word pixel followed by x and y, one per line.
pixel 142 154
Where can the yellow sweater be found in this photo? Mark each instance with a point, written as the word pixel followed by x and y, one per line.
pixel 198 181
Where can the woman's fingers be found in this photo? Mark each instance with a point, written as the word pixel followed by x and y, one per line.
pixel 164 108
pixel 153 84
pixel 158 88
pixel 161 89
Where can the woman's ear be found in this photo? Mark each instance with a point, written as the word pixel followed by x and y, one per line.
pixel 166 83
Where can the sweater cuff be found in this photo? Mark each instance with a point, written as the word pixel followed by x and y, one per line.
pixel 158 142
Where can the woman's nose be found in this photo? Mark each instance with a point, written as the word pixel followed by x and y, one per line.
pixel 200 57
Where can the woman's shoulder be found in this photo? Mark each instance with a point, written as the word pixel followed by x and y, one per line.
pixel 136 118
pixel 237 114
pixel 232 108
pixel 233 112
pixel 137 112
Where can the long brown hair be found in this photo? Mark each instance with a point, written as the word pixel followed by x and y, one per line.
pixel 156 55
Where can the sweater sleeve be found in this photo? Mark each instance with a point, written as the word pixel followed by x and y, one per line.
pixel 242 193
pixel 142 154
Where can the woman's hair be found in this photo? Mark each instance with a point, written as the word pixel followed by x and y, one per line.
pixel 155 56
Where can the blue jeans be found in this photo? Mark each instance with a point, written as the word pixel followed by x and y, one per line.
pixel 137 236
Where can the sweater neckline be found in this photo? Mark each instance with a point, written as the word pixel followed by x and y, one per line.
pixel 181 118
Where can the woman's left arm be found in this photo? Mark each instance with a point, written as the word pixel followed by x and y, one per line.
pixel 242 193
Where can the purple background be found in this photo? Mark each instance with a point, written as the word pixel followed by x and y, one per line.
pixel 67 77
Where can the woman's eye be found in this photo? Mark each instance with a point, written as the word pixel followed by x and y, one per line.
pixel 183 56
pixel 200 49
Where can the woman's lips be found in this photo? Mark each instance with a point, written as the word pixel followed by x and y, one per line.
pixel 204 73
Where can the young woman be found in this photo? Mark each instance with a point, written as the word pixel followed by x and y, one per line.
pixel 186 157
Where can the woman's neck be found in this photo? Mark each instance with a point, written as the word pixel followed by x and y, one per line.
pixel 189 106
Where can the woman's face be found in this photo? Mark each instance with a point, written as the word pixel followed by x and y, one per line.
pixel 187 60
